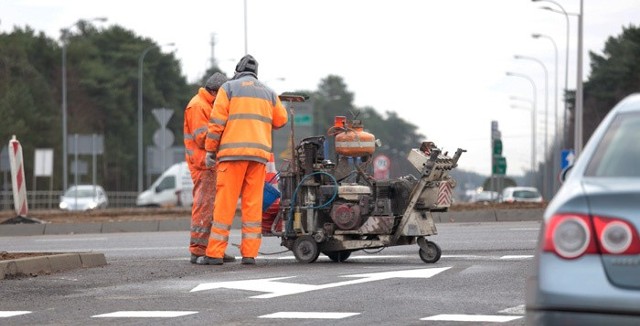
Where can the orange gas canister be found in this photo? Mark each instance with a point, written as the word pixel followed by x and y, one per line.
pixel 353 141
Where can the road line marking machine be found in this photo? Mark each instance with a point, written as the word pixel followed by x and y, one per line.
pixel 336 208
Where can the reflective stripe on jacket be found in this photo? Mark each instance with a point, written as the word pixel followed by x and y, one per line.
pixel 196 118
pixel 243 116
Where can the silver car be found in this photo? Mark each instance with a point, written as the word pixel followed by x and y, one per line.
pixel 587 265
pixel 83 198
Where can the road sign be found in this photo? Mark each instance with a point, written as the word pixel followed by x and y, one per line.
pixel 381 165
pixel 499 165
pixel 567 157
pixel 497 146
pixel 303 119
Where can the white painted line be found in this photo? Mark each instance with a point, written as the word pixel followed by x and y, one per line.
pixel 524 229
pixel 310 315
pixel 517 257
pixel 146 314
pixel 517 310
pixel 4 314
pixel 473 318
pixel 71 239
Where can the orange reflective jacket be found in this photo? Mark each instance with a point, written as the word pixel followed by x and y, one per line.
pixel 196 117
pixel 244 113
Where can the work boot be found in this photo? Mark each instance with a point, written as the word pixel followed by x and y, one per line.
pixel 248 261
pixel 210 261
pixel 228 258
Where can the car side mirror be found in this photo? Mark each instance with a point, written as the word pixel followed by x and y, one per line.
pixel 564 174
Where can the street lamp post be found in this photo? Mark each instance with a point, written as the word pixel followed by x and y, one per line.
pixel 545 174
pixel 531 109
pixel 579 95
pixel 65 32
pixel 578 113
pixel 140 145
pixel 556 161
pixel 533 125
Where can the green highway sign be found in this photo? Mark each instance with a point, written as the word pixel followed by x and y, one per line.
pixel 497 146
pixel 499 166
pixel 303 119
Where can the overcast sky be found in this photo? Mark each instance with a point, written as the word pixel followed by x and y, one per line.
pixel 441 65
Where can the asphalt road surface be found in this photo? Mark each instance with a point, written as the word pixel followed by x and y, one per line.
pixel 149 281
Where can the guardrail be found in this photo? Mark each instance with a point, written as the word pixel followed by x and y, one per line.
pixel 45 199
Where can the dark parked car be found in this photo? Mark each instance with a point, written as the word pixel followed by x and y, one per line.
pixel 587 264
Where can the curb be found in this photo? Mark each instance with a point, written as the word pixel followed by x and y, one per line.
pixel 33 266
pixel 184 224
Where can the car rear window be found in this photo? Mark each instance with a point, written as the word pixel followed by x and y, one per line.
pixel 618 153
pixel 525 194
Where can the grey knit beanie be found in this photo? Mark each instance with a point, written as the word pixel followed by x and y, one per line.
pixel 215 81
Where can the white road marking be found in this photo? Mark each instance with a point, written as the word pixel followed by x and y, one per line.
pixel 353 257
pixel 310 315
pixel 524 229
pixel 517 257
pixel 146 314
pixel 71 239
pixel 276 289
pixel 517 310
pixel 4 314
pixel 472 318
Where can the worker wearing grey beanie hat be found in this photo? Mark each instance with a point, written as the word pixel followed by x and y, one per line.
pixel 215 81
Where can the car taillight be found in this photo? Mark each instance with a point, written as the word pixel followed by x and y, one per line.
pixel 616 236
pixel 573 235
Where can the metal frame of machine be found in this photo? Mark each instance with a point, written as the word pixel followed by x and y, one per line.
pixel 338 208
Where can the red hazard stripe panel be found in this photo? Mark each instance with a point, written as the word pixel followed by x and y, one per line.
pixel 444 194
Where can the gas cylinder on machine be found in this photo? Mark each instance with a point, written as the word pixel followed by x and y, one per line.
pixel 351 139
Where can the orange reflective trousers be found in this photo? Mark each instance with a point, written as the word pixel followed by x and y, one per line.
pixel 204 192
pixel 235 179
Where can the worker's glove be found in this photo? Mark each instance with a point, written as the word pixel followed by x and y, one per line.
pixel 210 159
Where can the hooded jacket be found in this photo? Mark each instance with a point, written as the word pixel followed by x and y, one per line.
pixel 244 114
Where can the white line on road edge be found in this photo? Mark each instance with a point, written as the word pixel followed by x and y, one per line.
pixel 517 257
pixel 473 318
pixel 310 315
pixel 4 314
pixel 70 239
pixel 146 314
pixel 517 310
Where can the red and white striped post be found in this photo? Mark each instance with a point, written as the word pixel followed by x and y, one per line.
pixel 17 178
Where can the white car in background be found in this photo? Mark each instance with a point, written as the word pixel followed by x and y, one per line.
pixel 521 195
pixel 84 198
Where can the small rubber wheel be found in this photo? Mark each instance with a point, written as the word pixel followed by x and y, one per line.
pixel 338 256
pixel 432 254
pixel 305 249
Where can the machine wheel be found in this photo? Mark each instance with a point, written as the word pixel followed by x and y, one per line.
pixel 431 254
pixel 338 256
pixel 305 249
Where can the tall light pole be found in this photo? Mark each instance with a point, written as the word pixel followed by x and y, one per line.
pixel 533 120
pixel 140 145
pixel 566 77
pixel 533 125
pixel 65 32
pixel 578 131
pixel 555 156
pixel 245 28
pixel 545 173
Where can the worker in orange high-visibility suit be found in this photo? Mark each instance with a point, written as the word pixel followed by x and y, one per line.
pixel 239 139
pixel 196 119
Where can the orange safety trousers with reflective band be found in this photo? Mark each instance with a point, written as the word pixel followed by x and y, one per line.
pixel 235 179
pixel 204 193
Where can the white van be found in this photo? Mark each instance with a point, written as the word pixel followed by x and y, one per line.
pixel 173 188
